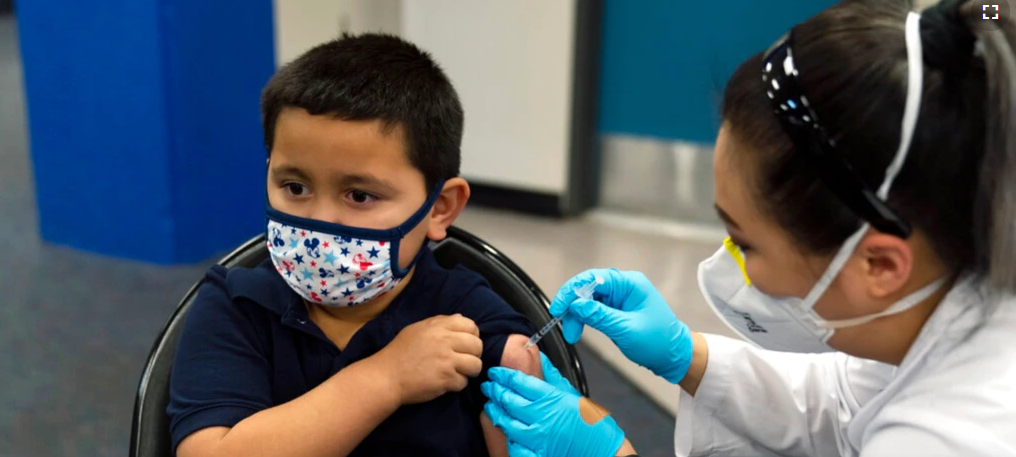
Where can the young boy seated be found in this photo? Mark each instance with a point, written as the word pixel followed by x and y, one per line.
pixel 351 339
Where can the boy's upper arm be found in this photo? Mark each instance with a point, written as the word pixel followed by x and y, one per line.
pixel 497 320
pixel 504 332
pixel 515 355
pixel 220 374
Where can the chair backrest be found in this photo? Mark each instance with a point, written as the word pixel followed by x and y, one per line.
pixel 150 429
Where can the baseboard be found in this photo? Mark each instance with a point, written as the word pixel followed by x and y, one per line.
pixel 523 201
pixel 658 177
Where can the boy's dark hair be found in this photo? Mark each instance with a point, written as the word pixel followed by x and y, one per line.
pixel 375 76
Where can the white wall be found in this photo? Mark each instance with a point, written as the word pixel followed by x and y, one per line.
pixel 511 62
pixel 302 24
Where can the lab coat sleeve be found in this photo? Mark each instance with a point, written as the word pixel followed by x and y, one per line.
pixel 757 402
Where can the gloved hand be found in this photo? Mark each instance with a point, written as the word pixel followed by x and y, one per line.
pixel 628 309
pixel 542 418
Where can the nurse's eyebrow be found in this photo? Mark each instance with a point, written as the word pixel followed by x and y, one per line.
pixel 726 217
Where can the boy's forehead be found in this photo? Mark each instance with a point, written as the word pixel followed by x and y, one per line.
pixel 299 133
pixel 352 152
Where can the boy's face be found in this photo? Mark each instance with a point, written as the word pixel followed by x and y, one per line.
pixel 355 174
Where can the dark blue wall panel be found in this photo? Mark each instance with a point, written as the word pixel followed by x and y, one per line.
pixel 143 123
pixel 97 125
pixel 221 57
pixel 665 62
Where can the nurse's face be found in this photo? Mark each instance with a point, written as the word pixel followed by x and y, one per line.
pixel 775 265
pixel 882 270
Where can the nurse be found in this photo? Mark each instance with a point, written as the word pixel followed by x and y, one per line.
pixel 866 174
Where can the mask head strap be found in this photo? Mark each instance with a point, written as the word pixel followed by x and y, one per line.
pixel 801 124
pixel 915 79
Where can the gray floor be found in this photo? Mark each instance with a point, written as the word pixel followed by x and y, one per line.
pixel 75 328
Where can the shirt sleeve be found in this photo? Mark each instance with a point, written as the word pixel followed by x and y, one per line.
pixel 220 374
pixel 757 402
pixel 496 320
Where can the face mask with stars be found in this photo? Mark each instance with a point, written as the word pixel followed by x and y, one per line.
pixel 337 265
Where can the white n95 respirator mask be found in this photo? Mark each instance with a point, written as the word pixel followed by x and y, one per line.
pixel 788 324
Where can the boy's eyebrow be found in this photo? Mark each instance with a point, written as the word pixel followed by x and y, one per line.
pixel 365 180
pixel 289 170
pixel 344 181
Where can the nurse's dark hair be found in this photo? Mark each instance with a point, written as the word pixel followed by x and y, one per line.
pixel 958 185
pixel 375 77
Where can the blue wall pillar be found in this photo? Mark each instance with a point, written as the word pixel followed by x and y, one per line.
pixel 144 123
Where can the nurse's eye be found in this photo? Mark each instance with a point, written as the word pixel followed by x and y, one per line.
pixel 295 189
pixel 744 247
pixel 360 197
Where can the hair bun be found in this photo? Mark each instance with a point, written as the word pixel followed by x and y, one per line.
pixel 946 38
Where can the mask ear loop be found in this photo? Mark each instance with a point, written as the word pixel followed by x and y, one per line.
pixel 915 88
pixel 407 227
pixel 908 302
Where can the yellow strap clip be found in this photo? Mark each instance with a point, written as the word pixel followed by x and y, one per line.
pixel 736 253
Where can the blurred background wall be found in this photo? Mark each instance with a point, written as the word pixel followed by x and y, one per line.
pixel 571 106
pixel 664 67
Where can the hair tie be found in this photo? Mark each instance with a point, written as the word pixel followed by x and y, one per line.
pixel 947 39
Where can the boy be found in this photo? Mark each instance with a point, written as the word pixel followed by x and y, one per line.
pixel 350 340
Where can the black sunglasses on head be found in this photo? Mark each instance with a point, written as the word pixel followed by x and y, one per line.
pixel 809 137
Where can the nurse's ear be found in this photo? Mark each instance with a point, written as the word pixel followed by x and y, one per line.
pixel 447 207
pixel 887 262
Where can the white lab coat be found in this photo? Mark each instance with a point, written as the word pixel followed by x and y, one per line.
pixel 954 393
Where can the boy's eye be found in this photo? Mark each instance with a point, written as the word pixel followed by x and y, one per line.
pixel 360 196
pixel 295 189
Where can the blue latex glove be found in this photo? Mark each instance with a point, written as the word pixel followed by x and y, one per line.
pixel 628 309
pixel 541 418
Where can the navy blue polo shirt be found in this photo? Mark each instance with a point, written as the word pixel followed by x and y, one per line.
pixel 247 345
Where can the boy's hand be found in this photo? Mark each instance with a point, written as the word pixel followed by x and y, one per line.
pixel 433 357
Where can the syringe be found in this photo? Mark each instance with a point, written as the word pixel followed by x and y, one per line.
pixel 585 291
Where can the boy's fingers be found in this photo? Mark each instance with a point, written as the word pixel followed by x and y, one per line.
pixel 460 323
pixel 460 383
pixel 467 365
pixel 466 344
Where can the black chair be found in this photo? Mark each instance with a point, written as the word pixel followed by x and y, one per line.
pixel 150 428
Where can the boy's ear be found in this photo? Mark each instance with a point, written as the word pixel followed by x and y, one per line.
pixel 447 208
